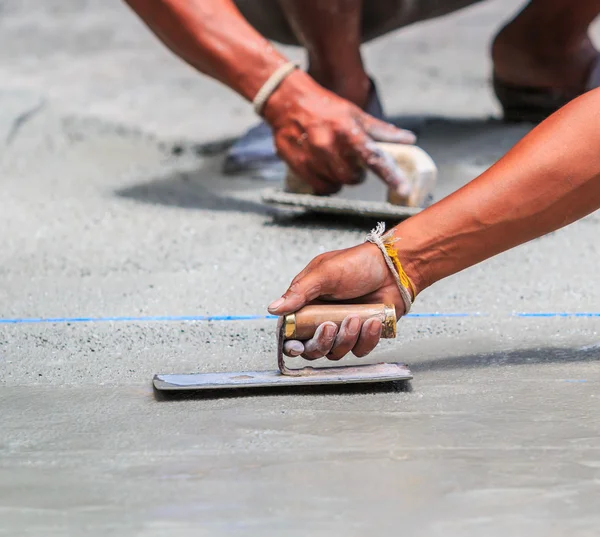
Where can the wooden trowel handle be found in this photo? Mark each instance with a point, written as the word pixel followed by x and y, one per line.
pixel 303 324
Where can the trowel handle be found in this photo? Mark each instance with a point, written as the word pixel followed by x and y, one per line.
pixel 303 324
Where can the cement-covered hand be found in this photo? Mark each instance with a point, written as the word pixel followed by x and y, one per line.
pixel 328 141
pixel 353 275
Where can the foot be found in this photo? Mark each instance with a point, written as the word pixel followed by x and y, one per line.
pixel 519 61
pixel 537 71
pixel 255 150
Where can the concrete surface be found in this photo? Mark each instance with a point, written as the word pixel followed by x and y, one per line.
pixel 113 207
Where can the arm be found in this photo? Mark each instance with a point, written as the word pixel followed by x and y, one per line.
pixel 312 126
pixel 213 37
pixel 548 180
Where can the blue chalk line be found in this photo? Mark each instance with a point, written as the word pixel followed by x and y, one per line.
pixel 226 318
pixel 558 314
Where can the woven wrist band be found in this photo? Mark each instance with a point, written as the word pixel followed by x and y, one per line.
pixel 272 84
pixel 403 282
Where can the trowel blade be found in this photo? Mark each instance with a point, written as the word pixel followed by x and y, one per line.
pixel 337 205
pixel 387 372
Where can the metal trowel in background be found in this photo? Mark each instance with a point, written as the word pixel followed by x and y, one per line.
pixel 302 325
pixel 370 199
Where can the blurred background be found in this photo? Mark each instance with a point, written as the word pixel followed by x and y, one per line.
pixel 96 59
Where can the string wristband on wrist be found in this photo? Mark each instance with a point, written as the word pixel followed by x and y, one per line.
pixel 272 83
pixel 385 242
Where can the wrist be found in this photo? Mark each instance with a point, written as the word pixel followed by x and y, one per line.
pixel 417 258
pixel 295 86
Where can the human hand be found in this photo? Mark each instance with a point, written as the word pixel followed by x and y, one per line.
pixel 329 142
pixel 353 275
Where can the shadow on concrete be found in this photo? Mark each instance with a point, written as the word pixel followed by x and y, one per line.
pixel 419 123
pixel 188 191
pixel 326 389
pixel 320 221
pixel 544 356
pixel 462 148
pixel 207 149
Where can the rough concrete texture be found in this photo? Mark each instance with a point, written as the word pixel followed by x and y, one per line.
pixel 113 206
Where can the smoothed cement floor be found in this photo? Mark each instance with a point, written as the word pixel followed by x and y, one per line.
pixel 116 223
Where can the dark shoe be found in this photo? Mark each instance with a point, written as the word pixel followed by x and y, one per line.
pixel 520 103
pixel 255 150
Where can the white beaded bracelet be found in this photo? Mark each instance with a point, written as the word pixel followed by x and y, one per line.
pixel 272 84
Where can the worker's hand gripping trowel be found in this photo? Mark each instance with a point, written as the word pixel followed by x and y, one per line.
pixel 370 199
pixel 302 325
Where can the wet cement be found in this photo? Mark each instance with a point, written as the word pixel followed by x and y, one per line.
pixel 113 206
pixel 485 440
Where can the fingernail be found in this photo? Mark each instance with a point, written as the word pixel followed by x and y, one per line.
pixel 329 331
pixel 375 327
pixel 354 326
pixel 275 305
pixel 295 348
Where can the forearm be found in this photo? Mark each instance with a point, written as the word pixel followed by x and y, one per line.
pixel 213 37
pixel 548 180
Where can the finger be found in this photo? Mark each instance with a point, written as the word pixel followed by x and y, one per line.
pixel 386 132
pixel 346 338
pixel 293 348
pixel 321 342
pixel 342 169
pixel 301 292
pixel 319 184
pixel 325 185
pixel 328 161
pixel 383 165
pixel 313 265
pixel 370 334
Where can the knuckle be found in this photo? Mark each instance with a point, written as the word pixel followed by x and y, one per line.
pixel 353 134
pixel 320 260
pixel 312 288
pixel 292 290
pixel 322 139
pixel 297 281
pixel 315 348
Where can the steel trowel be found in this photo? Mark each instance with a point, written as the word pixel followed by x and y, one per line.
pixel 302 326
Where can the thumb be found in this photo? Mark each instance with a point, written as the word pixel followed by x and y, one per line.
pixel 301 292
pixel 382 131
